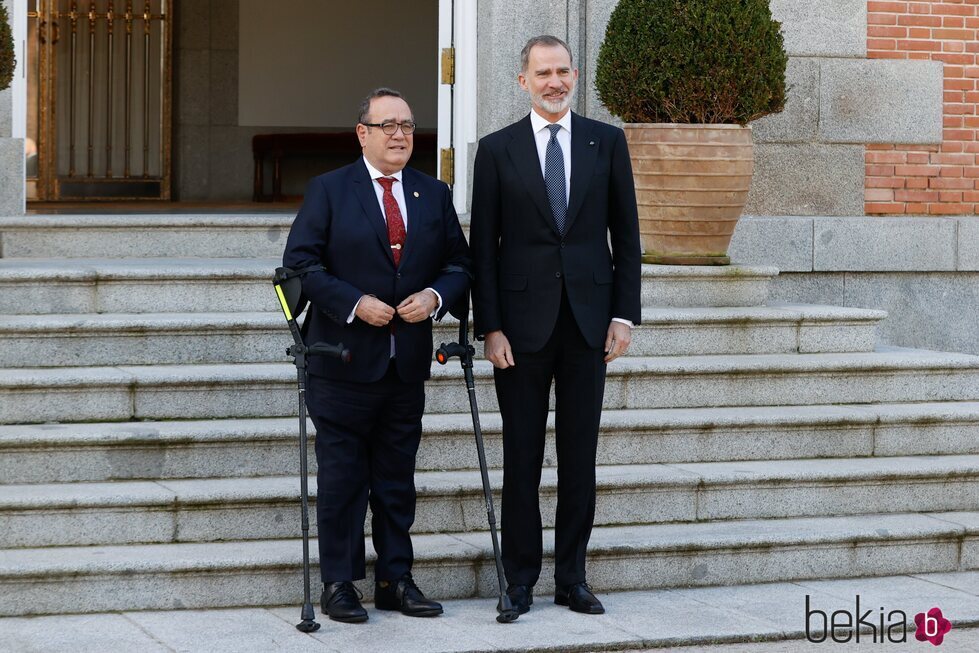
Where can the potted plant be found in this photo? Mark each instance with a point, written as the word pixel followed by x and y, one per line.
pixel 686 77
pixel 7 61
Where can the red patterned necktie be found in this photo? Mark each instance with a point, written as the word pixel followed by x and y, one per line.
pixel 392 212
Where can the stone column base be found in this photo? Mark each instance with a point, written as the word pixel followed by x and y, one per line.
pixel 11 176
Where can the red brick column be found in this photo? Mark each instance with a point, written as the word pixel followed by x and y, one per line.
pixel 917 179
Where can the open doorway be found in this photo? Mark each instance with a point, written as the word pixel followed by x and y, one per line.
pixel 231 70
pixel 304 66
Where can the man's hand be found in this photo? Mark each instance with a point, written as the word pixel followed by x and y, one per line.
pixel 497 350
pixel 373 311
pixel 418 306
pixel 617 340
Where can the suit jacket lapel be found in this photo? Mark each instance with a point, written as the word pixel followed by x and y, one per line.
pixel 584 154
pixel 364 187
pixel 523 152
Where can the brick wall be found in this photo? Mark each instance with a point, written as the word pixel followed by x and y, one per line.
pixel 934 179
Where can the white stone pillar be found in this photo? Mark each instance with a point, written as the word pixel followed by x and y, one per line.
pixel 18 16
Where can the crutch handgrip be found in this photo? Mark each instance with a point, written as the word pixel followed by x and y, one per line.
pixel 335 351
pixel 448 351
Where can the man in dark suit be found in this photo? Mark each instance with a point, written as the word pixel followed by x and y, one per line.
pixel 385 254
pixel 550 193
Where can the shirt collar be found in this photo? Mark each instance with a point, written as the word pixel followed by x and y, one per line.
pixel 374 173
pixel 538 123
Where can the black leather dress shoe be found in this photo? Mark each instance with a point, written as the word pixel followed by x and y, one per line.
pixel 341 602
pixel 403 595
pixel 579 598
pixel 521 596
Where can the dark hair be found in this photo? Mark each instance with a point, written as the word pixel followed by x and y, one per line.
pixel 365 104
pixel 546 40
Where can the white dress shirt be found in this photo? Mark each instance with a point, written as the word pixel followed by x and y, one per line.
pixel 541 136
pixel 397 189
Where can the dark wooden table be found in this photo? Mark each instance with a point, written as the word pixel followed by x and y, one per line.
pixel 336 144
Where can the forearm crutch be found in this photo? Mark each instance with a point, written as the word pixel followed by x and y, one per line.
pixel 288 288
pixel 465 352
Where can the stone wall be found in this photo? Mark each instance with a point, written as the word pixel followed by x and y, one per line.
pixel 503 28
pixel 211 155
pixel 923 271
pixel 810 159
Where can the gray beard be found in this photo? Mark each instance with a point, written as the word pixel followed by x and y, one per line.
pixel 554 107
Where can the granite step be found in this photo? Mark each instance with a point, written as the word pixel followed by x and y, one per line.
pixel 890 375
pixel 204 285
pixel 119 451
pixel 74 340
pixel 782 328
pixel 57 580
pixel 213 510
pixel 255 234
pixel 94 339
pixel 209 235
pixel 136 285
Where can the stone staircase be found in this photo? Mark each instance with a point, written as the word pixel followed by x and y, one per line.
pixel 147 433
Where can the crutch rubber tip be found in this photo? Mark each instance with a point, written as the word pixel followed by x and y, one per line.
pixel 508 616
pixel 307 626
pixel 508 613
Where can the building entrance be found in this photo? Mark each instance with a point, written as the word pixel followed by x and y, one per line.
pixel 166 99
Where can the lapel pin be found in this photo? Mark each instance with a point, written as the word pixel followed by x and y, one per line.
pixel 416 194
pixel 591 142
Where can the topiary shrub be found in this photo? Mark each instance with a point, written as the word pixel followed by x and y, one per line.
pixel 692 61
pixel 7 60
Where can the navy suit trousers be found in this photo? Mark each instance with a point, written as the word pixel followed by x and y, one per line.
pixel 367 435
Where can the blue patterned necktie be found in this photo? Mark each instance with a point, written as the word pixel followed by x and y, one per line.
pixel 554 179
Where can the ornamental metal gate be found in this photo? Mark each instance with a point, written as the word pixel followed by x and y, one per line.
pixel 99 99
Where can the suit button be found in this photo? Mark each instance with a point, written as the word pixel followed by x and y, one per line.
pixel 398 275
pixel 562 244
pixel 557 275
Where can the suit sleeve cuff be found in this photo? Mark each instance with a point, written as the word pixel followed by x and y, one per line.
pixel 353 313
pixel 624 321
pixel 438 307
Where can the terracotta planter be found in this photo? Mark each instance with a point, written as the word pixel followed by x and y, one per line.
pixel 692 183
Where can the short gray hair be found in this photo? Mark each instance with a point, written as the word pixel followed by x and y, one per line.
pixel 547 41
pixel 365 105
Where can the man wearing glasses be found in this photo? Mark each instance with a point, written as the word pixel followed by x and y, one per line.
pixel 384 254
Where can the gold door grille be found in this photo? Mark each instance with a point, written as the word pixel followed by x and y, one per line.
pixel 99 99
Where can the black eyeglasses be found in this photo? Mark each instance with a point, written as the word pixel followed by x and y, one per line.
pixel 389 127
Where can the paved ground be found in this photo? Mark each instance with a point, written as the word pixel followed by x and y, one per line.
pixel 958 641
pixel 691 618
